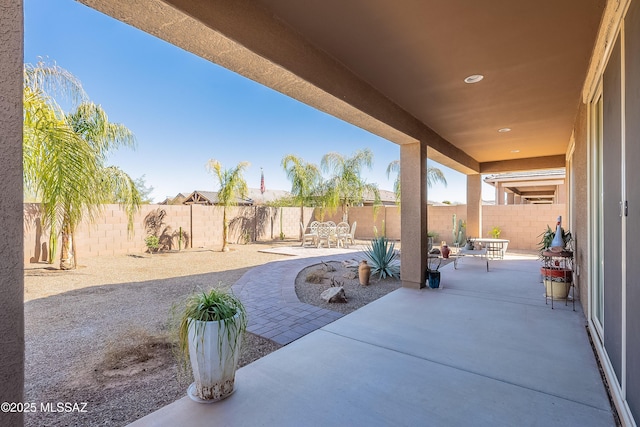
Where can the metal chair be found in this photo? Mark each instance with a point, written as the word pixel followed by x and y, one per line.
pixel 342 233
pixel 312 236
pixel 325 232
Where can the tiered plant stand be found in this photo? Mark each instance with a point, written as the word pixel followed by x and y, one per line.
pixel 557 276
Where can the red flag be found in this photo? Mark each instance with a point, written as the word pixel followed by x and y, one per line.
pixel 262 189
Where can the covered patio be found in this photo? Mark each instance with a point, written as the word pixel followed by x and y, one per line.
pixel 481 87
pixel 484 350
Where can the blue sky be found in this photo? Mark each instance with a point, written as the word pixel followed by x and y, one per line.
pixel 185 110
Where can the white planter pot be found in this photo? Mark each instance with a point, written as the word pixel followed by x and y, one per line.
pixel 214 353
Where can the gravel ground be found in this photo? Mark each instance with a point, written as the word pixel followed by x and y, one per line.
pixel 101 334
pixel 357 295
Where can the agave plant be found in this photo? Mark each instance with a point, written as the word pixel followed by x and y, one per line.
pixel 383 257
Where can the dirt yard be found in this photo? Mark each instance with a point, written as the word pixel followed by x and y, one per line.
pixel 101 334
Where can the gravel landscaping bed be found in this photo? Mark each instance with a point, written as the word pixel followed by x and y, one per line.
pixel 337 274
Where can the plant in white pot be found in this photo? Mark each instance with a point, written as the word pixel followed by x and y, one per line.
pixel 211 330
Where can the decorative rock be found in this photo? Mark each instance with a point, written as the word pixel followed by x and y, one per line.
pixel 335 294
pixel 350 263
pixel 350 275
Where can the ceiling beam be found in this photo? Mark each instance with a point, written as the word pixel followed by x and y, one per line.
pixel 532 163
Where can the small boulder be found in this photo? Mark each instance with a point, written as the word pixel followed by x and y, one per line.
pixel 350 275
pixel 334 294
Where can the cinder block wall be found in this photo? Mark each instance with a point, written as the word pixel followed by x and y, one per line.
pixel 108 235
pixel 522 224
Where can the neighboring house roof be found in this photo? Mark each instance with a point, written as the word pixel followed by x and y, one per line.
pixel 386 197
pixel 178 199
pixel 211 198
pixel 268 196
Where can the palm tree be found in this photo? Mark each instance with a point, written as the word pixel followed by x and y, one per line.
pixel 64 158
pixel 434 175
pixel 346 186
pixel 305 178
pixel 232 187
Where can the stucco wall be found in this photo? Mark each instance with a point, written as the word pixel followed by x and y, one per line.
pixel 11 271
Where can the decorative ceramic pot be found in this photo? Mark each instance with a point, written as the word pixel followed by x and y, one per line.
pixel 433 278
pixel 557 281
pixel 445 251
pixel 364 273
pixel 214 349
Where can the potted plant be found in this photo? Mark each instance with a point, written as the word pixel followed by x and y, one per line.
pixel 495 232
pixel 211 329
pixel 433 274
pixel 557 276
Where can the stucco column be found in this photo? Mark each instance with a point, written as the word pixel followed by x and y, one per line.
pixel 11 253
pixel 517 200
pixel 510 198
pixel 413 214
pixel 474 205
pixel 561 193
pixel 499 194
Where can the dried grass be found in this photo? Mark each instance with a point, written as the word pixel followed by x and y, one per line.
pixel 315 276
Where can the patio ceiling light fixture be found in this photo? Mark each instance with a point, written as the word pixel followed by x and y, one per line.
pixel 504 130
pixel 475 78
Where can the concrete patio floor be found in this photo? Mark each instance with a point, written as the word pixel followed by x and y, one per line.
pixel 484 350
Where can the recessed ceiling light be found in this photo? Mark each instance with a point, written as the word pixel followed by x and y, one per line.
pixel 515 151
pixel 474 78
pixel 503 130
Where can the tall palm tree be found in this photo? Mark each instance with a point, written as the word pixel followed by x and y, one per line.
pixel 232 187
pixel 64 157
pixel 434 175
pixel 346 185
pixel 305 178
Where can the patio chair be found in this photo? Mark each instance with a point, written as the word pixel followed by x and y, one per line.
pixel 312 236
pixel 325 233
pixel 342 233
pixel 351 235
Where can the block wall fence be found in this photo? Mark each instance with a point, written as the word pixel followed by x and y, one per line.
pixel 108 235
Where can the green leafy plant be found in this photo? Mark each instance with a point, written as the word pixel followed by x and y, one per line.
pixel 546 237
pixel 495 232
pixel 153 243
pixel 213 305
pixel 384 259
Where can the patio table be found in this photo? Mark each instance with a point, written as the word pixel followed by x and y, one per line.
pixel 496 248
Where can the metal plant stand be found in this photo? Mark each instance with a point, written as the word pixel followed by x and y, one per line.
pixel 558 265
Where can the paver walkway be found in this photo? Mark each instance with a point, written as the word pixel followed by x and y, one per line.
pixel 269 295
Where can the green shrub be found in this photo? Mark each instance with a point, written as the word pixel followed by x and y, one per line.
pixel 153 243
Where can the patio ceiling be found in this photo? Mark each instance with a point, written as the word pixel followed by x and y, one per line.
pixel 397 68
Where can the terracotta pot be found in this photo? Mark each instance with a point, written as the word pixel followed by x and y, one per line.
pixel 445 251
pixel 364 273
